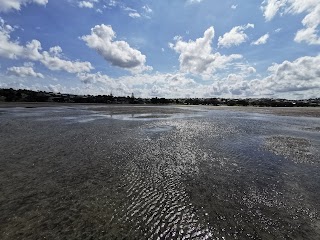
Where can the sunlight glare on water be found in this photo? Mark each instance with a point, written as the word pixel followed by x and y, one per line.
pixel 192 175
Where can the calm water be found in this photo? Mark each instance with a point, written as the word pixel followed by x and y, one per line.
pixel 79 173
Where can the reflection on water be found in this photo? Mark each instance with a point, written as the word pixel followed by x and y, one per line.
pixel 75 173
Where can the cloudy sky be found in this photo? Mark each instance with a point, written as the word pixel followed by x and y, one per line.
pixel 167 48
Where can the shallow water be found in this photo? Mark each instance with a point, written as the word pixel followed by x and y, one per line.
pixel 83 173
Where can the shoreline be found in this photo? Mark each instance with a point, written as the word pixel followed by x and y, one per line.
pixel 280 111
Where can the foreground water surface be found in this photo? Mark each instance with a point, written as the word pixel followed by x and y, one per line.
pixel 126 172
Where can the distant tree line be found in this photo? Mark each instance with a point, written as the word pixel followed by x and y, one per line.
pixel 23 95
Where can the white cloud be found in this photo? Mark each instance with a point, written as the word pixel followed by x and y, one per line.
pixel 309 35
pixel 56 51
pixel 194 1
pixel 311 21
pixel 108 84
pixel 93 77
pixel 271 7
pixel 24 72
pixel 262 40
pixel 117 53
pixel 143 85
pixel 197 56
pixel 28 64
pixel 301 73
pixel 286 79
pixel 234 7
pixel 56 88
pixel 290 79
pixel 251 70
pixel 32 51
pixel 129 9
pixel 112 3
pixel 147 9
pixel 235 37
pixel 85 4
pixel 51 60
pixel 159 84
pixel 7 5
pixel 9 49
pixel 134 15
pixel 300 77
pixel 57 64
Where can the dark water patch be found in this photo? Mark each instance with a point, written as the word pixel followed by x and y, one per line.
pixel 316 129
pixel 161 116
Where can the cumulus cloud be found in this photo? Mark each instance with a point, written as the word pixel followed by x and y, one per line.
pixel 262 40
pixel 7 5
pixel 160 84
pixel 309 35
pixel 244 69
pixel 234 7
pixel 51 60
pixel 56 64
pixel 300 77
pixel 117 53
pixel 235 37
pixel 251 70
pixel 197 56
pixel 143 85
pixel 107 83
pixel 24 71
pixel 287 79
pixel 290 79
pixel 9 49
pixel 302 73
pixel 33 51
pixel 93 78
pixel 311 21
pixel 56 51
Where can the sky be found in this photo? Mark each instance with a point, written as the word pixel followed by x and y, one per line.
pixel 167 48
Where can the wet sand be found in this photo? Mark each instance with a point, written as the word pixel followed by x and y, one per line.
pixel 157 172
pixel 128 109
pixel 280 111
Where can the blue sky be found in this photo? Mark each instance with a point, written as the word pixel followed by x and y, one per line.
pixel 181 48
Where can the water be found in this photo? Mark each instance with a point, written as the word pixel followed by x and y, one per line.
pixel 157 173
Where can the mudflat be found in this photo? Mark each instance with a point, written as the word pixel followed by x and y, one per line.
pixel 118 108
pixel 74 171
